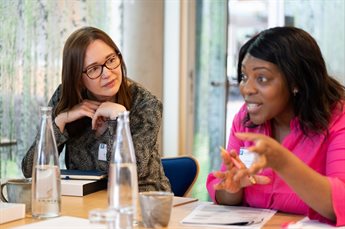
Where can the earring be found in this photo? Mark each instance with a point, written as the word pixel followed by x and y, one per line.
pixel 295 91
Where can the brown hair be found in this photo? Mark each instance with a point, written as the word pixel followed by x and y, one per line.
pixel 74 50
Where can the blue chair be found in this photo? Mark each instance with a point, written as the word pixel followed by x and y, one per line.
pixel 182 172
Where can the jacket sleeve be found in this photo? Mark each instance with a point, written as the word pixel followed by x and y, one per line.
pixel 145 119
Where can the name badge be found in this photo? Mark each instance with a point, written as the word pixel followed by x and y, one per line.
pixel 102 152
pixel 247 157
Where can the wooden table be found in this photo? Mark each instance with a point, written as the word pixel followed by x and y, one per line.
pixel 80 207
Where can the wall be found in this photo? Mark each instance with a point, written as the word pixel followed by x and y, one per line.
pixel 32 35
pixel 143 43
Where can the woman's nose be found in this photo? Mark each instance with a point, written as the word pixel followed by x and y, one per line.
pixel 106 72
pixel 248 87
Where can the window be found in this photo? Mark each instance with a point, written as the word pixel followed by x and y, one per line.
pixel 32 36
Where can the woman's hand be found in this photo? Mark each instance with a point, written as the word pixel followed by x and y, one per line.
pixel 235 178
pixel 105 111
pixel 270 152
pixel 86 108
pixel 312 187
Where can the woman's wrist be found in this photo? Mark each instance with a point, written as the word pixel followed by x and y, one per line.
pixel 61 120
pixel 226 198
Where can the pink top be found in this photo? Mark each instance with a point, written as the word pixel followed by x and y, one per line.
pixel 325 155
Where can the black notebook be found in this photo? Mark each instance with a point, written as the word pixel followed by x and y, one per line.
pixel 83 174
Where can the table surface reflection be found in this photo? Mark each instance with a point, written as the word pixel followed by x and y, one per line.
pixel 80 207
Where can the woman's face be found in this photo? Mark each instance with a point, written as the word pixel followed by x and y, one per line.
pixel 108 83
pixel 264 89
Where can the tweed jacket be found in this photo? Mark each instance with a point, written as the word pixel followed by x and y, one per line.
pixel 81 144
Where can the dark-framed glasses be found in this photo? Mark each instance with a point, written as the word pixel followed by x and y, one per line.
pixel 96 71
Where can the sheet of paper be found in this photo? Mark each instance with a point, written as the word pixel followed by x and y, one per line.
pixel 228 216
pixel 11 211
pixel 67 222
pixel 306 223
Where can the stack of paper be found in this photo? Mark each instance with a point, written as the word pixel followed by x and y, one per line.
pixel 81 187
pixel 11 211
pixel 82 182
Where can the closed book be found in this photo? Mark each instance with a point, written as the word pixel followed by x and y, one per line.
pixel 11 211
pixel 72 187
pixel 83 174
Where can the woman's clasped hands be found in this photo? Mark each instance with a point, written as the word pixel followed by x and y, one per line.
pixel 99 112
pixel 106 111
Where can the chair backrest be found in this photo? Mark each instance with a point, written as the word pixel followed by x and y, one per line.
pixel 182 172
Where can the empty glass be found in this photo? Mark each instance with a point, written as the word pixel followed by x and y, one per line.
pixel 156 208
pixel 112 218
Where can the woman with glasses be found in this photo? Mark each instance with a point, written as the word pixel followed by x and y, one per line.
pixel 94 90
pixel 290 132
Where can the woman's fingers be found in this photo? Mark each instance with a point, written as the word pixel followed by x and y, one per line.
pixel 258 165
pixel 259 180
pixel 248 136
pixel 89 105
pixel 219 174
pixel 85 108
pixel 227 182
pixel 226 159
pixel 237 175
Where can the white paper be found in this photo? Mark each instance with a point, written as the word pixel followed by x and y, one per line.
pixel 66 222
pixel 312 224
pixel 73 187
pixel 11 211
pixel 223 216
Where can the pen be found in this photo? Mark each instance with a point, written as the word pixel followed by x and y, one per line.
pixel 239 166
pixel 242 223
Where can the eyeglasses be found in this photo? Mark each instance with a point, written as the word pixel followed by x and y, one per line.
pixel 96 71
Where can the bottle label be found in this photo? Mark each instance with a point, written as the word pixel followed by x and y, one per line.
pixel 102 152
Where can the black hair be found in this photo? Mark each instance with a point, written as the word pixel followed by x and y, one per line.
pixel 298 56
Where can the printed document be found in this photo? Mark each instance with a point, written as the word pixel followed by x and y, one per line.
pixel 228 216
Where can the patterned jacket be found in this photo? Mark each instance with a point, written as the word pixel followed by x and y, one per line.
pixel 81 144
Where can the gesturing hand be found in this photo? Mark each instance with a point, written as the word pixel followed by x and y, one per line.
pixel 270 152
pixel 235 178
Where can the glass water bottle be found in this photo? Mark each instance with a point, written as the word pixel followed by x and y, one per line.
pixel 46 185
pixel 122 179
